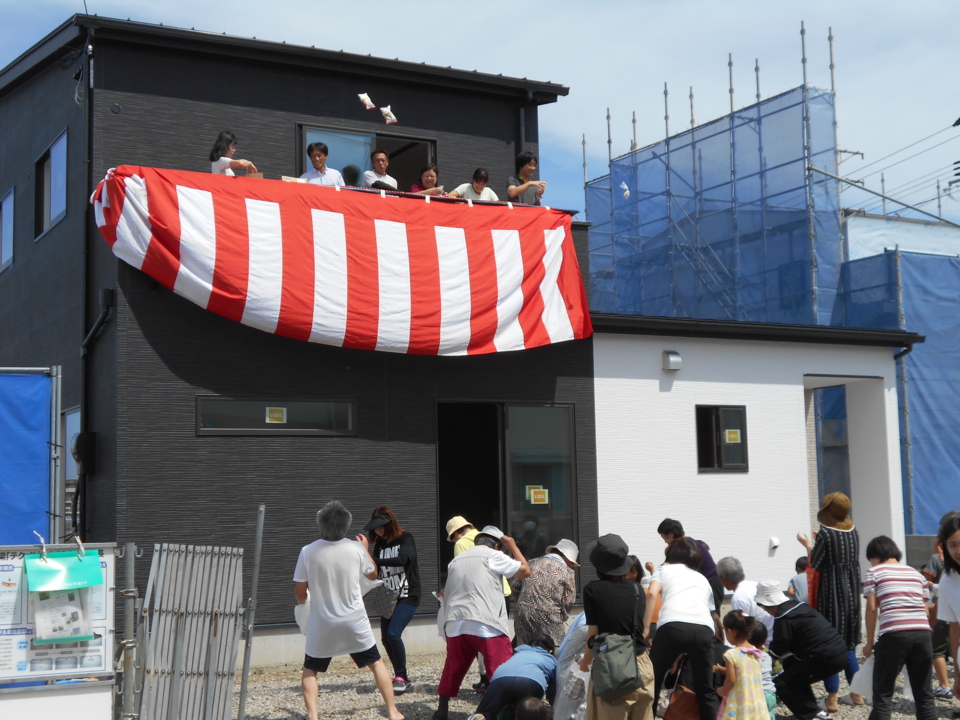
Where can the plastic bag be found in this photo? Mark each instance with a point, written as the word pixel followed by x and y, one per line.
pixel 301 613
pixel 571 697
pixel 862 683
pixel 441 617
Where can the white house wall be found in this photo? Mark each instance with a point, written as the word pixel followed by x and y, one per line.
pixel 647 454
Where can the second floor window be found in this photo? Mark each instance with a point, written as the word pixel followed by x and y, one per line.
pixel 6 230
pixel 51 189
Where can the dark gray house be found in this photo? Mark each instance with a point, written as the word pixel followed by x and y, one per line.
pixel 430 437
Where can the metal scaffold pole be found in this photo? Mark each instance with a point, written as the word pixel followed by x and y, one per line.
pixel 633 145
pixel 809 160
pixel 733 197
pixel 833 91
pixel 883 189
pixel 756 70
pixel 609 138
pixel 666 126
pixel 584 159
pixel 693 122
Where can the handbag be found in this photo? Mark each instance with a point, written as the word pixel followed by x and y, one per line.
pixel 681 702
pixel 615 671
pixel 381 601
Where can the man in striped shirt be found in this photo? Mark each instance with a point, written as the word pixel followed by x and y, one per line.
pixel 899 594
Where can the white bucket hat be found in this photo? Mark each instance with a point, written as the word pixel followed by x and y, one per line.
pixel 567 548
pixel 493 531
pixel 769 593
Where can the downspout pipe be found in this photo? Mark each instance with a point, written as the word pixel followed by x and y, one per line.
pixel 106 303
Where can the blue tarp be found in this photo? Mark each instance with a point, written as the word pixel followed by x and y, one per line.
pixel 931 307
pixel 24 457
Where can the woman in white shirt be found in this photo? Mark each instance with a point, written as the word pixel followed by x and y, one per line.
pixel 687 621
pixel 221 157
pixel 477 189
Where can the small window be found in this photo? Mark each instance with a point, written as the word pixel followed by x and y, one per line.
pixel 51 188
pixel 274 416
pixel 6 230
pixel 721 438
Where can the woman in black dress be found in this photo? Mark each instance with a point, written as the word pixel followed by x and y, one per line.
pixel 836 556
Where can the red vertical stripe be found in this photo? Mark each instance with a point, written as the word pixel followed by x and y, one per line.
pixel 162 261
pixel 570 283
pixel 296 298
pixel 424 290
pixel 534 247
pixel 231 269
pixel 363 284
pixel 483 289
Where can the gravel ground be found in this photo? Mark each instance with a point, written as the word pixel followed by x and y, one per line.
pixel 346 692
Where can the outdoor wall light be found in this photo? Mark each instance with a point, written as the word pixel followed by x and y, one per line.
pixel 774 543
pixel 672 360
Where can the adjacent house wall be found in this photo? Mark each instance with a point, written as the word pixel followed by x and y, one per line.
pixel 647 456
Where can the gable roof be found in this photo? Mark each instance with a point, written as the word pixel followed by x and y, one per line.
pixel 72 34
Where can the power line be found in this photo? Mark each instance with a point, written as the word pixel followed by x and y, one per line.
pixel 895 152
pixel 910 157
pixel 921 186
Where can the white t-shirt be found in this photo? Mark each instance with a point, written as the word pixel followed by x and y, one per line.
pixel 338 623
pixel 370 177
pixel 221 167
pixel 948 602
pixel 687 596
pixel 329 177
pixel 500 565
pixel 743 600
pixel 466 191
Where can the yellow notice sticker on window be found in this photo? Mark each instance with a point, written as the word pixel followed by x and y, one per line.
pixel 539 496
pixel 731 437
pixel 277 415
pixel 531 488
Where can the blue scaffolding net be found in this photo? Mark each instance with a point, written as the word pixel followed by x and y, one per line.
pixel 724 221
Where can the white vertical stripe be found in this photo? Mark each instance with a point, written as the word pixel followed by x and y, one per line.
pixel 198 245
pixel 555 317
pixel 265 282
pixel 506 250
pixel 330 278
pixel 454 290
pixel 133 228
pixel 393 266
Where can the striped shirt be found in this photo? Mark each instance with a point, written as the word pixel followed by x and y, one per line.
pixel 901 596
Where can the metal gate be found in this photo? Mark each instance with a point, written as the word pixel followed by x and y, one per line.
pixel 193 631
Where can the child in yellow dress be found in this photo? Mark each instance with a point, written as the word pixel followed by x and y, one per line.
pixel 742 689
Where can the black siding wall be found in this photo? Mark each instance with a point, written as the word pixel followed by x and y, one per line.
pixel 173 486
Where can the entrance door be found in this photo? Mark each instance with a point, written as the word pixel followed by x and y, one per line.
pixel 509 465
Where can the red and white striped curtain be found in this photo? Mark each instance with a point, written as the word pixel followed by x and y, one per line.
pixel 350 269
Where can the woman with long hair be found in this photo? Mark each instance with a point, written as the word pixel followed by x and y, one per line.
pixel 395 552
pixel 221 157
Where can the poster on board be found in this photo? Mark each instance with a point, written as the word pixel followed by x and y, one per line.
pixel 22 656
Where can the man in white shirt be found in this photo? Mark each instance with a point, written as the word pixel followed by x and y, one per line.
pixel 476 614
pixel 380 161
pixel 744 591
pixel 338 625
pixel 320 174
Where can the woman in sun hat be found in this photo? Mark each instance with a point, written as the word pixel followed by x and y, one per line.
pixel 545 598
pixel 835 554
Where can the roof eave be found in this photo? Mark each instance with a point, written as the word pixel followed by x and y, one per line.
pixel 40 56
pixel 772 332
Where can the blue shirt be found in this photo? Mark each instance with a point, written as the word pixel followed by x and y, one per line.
pixel 799 585
pixel 532 663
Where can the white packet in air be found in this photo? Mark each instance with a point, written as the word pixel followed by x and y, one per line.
pixel 388 115
pixel 367 102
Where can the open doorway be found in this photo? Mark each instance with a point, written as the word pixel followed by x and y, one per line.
pixel 407 157
pixel 468 464
pixel 511 465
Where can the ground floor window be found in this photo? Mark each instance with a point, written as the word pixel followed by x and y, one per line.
pixel 721 438
pixel 218 415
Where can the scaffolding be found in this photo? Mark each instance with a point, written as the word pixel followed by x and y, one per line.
pixel 726 220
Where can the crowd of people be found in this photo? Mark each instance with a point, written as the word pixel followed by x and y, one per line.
pixel 520 187
pixel 646 630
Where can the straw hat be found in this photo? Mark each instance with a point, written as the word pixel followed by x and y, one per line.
pixel 835 512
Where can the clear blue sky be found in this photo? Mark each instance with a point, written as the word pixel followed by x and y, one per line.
pixel 894 63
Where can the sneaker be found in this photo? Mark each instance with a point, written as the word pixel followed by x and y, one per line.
pixel 822 715
pixel 400 686
pixel 943 693
pixel 481 686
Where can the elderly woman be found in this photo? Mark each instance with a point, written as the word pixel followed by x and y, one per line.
pixel 330 568
pixel 395 553
pixel 836 556
pixel 688 621
pixel 544 599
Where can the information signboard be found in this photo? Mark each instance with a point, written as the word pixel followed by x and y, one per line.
pixel 22 658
